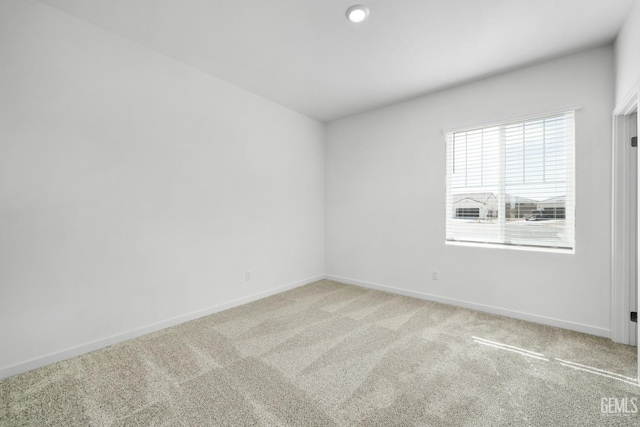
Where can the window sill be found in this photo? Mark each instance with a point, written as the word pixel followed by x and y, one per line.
pixel 511 247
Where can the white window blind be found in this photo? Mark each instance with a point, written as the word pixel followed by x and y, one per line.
pixel 513 183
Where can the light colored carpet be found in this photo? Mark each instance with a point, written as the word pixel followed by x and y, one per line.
pixel 332 354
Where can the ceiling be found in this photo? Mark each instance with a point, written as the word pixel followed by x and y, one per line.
pixel 304 54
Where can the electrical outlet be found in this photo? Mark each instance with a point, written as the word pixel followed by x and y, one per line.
pixel 434 275
pixel 247 276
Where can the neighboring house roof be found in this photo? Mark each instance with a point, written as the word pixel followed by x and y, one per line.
pixel 520 200
pixel 554 200
pixel 482 198
pixel 489 197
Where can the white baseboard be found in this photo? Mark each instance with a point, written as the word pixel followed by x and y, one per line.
pixel 39 362
pixel 29 365
pixel 593 330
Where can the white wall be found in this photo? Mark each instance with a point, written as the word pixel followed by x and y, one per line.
pixel 385 192
pixel 627 48
pixel 135 190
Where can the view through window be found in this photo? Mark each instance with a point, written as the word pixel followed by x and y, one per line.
pixel 513 183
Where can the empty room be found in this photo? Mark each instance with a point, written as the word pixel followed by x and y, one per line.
pixel 319 212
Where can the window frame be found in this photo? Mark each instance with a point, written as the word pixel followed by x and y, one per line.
pixel 570 184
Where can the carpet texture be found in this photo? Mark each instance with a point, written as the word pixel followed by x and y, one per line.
pixel 331 354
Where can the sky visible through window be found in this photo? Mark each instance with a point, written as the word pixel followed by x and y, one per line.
pixel 534 159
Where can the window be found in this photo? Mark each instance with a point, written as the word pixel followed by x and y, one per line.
pixel 513 183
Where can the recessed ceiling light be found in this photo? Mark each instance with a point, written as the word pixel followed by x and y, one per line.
pixel 357 13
